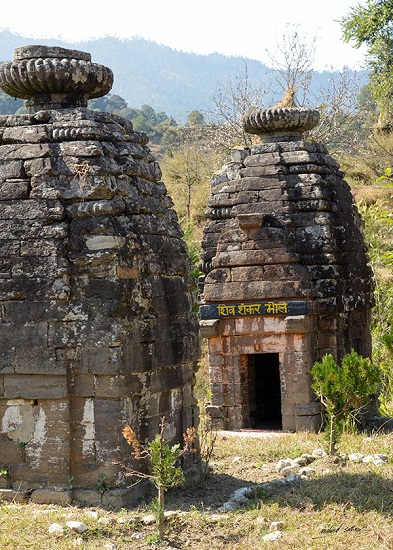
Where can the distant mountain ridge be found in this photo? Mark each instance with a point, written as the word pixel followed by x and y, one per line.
pixel 168 80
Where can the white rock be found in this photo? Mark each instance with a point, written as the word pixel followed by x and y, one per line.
pixel 382 457
pixel 100 242
pixel 214 518
pixel 137 536
pixel 149 519
pixel 283 463
pixel 229 506
pixel 79 541
pixel 272 536
pixel 356 457
pixel 109 546
pixel 92 514
pixel 301 461
pixel 77 526
pixel 318 453
pixel 241 495
pixel 121 520
pixel 367 459
pixel 307 471
pixel 288 470
pixel 168 514
pixel 308 457
pixel 56 529
pixel 378 462
pixel 291 479
pixel 281 481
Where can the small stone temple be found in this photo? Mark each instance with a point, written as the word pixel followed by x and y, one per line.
pixel 286 279
pixel 96 322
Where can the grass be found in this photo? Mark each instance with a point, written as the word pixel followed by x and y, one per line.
pixel 342 506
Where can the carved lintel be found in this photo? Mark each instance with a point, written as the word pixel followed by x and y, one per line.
pixel 250 221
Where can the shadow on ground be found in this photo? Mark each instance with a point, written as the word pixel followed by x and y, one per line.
pixel 363 491
pixel 217 489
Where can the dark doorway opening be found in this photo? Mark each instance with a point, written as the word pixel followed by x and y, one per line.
pixel 264 391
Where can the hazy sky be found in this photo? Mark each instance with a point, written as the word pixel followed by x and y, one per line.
pixel 242 28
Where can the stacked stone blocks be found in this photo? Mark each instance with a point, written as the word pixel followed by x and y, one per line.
pixel 283 226
pixel 96 322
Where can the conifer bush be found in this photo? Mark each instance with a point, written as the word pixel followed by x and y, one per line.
pixel 344 390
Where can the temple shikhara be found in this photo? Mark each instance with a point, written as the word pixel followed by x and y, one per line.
pixel 96 322
pixel 286 278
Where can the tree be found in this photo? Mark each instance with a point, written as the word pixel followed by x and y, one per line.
pixel 344 390
pixel 187 172
pixel 164 459
pixel 195 118
pixel 149 113
pixel 144 119
pixel 233 99
pixel 371 25
pixel 344 121
pixel 142 124
pixel 292 62
pixel 342 124
pixel 111 103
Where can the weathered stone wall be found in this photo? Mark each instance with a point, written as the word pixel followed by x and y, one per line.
pixel 307 241
pixel 96 327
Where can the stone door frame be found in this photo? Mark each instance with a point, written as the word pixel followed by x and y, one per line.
pixel 234 340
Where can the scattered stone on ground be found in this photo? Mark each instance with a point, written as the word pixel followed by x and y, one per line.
pixel 291 473
pixel 272 536
pixel 76 526
pixel 56 529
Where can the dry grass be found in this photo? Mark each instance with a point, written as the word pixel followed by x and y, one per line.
pixel 342 506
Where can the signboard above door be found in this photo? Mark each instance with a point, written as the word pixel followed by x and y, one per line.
pixel 253 309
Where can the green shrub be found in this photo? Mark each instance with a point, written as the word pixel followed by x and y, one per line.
pixel 344 389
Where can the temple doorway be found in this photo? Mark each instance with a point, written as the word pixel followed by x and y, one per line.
pixel 264 391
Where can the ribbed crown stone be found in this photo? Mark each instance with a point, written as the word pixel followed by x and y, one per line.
pixel 54 78
pixel 282 123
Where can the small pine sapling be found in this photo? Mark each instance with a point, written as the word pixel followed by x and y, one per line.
pixel 344 389
pixel 165 471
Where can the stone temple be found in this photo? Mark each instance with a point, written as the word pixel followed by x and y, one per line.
pixel 96 321
pixel 286 279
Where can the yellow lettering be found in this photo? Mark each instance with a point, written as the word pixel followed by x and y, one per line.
pixel 255 309
pixel 224 310
pixel 276 307
pixel 282 307
pixel 249 309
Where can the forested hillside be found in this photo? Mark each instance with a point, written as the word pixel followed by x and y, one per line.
pixel 169 81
